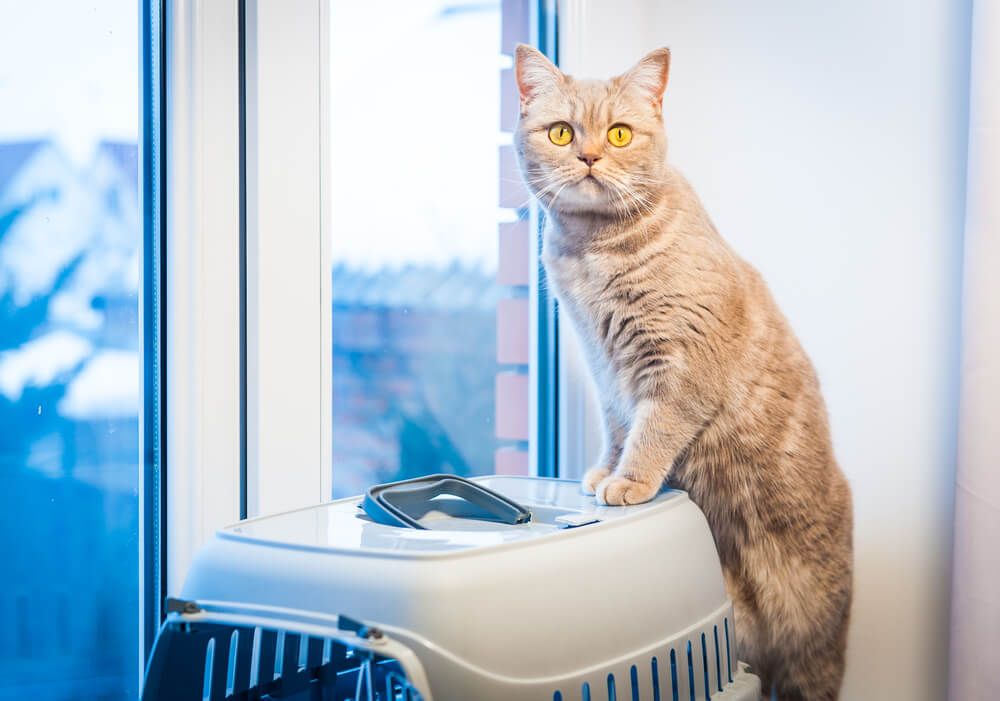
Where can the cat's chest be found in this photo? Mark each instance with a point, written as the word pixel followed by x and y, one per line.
pixel 580 281
pixel 581 285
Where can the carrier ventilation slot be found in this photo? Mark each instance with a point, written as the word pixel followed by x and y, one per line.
pixel 206 693
pixel 690 659
pixel 654 669
pixel 699 671
pixel 673 675
pixel 234 642
pixel 303 653
pixel 279 654
pixel 214 662
pixel 704 668
pixel 729 655
pixel 255 659
pixel 718 658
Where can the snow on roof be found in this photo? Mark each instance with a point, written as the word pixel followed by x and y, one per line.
pixel 106 387
pixel 40 361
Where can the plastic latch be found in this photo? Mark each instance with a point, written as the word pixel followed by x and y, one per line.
pixel 181 606
pixel 358 628
pixel 576 520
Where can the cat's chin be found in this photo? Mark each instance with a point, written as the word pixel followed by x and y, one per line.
pixel 587 196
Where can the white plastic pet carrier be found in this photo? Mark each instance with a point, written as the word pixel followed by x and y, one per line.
pixel 443 589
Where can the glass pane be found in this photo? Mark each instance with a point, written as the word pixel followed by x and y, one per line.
pixel 421 381
pixel 69 340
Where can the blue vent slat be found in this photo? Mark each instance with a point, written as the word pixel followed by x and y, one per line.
pixel 303 660
pixel 586 691
pixel 557 696
pixel 673 675
pixel 704 668
pixel 690 657
pixel 718 662
pixel 612 696
pixel 234 645
pixel 206 687
pixel 279 656
pixel 656 680
pixel 634 678
pixel 729 655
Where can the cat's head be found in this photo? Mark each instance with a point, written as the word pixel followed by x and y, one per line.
pixel 592 146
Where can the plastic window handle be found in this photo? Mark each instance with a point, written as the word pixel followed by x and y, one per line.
pixel 388 503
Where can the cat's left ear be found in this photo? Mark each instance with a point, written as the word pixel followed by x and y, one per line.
pixel 650 75
pixel 535 74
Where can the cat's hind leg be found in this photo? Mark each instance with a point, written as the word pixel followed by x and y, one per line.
pixel 816 678
pixel 813 669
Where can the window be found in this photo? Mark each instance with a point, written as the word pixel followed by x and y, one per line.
pixel 332 333
pixel 430 242
pixel 70 250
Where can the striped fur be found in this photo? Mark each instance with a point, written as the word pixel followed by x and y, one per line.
pixel 701 380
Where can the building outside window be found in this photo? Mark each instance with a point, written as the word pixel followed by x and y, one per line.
pixel 70 246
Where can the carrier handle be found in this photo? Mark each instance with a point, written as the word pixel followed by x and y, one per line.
pixel 393 503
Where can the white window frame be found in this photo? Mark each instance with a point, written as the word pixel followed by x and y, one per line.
pixel 202 407
pixel 289 288
pixel 287 283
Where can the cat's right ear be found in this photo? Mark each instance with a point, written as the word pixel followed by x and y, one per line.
pixel 535 74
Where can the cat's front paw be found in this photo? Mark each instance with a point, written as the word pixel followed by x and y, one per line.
pixel 616 490
pixel 593 477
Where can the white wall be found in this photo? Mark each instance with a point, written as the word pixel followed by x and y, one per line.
pixel 828 143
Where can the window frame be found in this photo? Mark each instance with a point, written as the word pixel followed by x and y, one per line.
pixel 289 422
pixel 228 348
pixel 246 231
pixel 202 278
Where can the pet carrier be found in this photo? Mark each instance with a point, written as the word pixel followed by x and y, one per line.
pixel 443 589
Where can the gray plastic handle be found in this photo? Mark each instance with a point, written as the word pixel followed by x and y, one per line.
pixel 402 503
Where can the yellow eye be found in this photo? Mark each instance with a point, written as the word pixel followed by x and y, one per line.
pixel 619 135
pixel 560 133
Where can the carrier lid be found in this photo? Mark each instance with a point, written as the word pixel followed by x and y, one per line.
pixel 556 506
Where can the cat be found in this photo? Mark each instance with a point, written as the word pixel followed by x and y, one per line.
pixel 702 383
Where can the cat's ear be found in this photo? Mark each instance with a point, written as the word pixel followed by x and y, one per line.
pixel 649 75
pixel 535 73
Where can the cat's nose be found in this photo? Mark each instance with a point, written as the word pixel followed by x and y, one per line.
pixel 589 159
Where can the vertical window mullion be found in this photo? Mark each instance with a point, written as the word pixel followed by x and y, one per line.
pixel 287 279
pixel 201 272
pixel 152 538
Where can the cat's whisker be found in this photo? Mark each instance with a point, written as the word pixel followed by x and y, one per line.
pixel 643 204
pixel 549 188
pixel 619 202
pixel 553 202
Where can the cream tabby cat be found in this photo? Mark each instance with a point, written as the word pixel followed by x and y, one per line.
pixel 701 380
